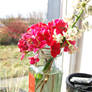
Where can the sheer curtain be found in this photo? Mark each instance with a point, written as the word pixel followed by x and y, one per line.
pixel 86 64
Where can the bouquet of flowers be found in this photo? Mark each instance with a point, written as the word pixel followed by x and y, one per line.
pixel 55 36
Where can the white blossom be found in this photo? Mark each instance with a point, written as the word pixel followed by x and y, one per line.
pixel 57 37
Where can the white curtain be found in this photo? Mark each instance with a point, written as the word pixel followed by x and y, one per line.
pixel 86 64
pixel 86 59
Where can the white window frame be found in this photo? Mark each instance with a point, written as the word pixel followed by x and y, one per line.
pixel 71 63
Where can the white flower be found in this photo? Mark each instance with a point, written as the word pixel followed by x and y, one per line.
pixel 57 37
pixel 71 34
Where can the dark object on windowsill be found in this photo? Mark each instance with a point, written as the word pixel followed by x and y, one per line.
pixel 79 82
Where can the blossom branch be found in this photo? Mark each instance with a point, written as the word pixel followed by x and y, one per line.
pixel 83 6
pixel 78 17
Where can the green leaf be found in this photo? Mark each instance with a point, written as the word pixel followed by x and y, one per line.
pixel 38 77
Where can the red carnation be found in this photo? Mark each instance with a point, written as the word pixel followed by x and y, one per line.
pixel 55 48
pixel 22 44
pixel 61 26
pixel 34 59
pixel 66 48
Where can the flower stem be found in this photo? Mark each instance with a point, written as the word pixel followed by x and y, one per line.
pixel 42 87
pixel 39 85
pixel 48 65
pixel 78 17
pixel 46 69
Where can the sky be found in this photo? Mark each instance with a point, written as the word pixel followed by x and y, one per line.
pixel 22 7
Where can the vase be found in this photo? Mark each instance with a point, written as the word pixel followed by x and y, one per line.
pixel 40 81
